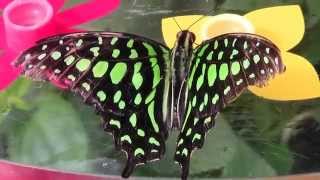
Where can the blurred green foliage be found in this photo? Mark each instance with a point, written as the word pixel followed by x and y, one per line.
pixel 44 126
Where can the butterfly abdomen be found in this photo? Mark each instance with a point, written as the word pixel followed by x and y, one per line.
pixel 181 56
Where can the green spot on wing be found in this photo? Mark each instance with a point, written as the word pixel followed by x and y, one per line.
pixel 56 55
pixel 137 99
pixel 152 140
pixel 226 42
pixel 79 43
pixel 201 77
pixel 223 71
pixel 226 90
pixel 256 58
pixel 95 51
pixel 114 40
pixel 201 107
pixel 71 77
pixel 69 60
pixel 115 53
pixel 188 132
pixel 185 152
pixel 216 44
pixel 235 68
pixel 196 137
pixel 194 68
pixel 187 116
pixel 118 72
pixel 209 57
pixel 150 97
pixel 220 55
pixel 195 121
pixel 138 151
pixel 134 54
pixel 101 95
pixel 194 101
pixel 137 80
pixel 152 117
pixel 266 60
pixel 86 86
pixel 115 123
pixel 133 120
pixel 245 45
pixel 205 99
pixel 215 99
pixel 180 142
pixel 246 63
pixel 202 50
pixel 156 76
pixel 141 132
pixel 83 64
pixel 122 105
pixel 212 74
pixel 117 96
pixel 153 61
pixel 137 67
pixel 126 138
pixel 234 52
pixel 130 43
pixel 100 69
pixel 150 49
pixel 207 120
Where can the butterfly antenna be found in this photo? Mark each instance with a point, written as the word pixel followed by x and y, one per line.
pixel 177 23
pixel 203 16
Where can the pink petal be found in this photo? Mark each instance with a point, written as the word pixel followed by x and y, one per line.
pixel 3 3
pixel 2 35
pixel 56 4
pixel 69 30
pixel 8 73
pixel 85 12
pixel 15 171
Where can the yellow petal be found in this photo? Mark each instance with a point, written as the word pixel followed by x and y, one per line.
pixel 225 23
pixel 283 25
pixel 299 81
pixel 170 28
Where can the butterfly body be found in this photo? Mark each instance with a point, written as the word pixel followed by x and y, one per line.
pixel 142 88
pixel 181 57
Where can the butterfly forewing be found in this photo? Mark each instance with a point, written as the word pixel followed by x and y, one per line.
pixel 221 69
pixel 121 75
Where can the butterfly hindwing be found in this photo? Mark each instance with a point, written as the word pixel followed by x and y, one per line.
pixel 221 69
pixel 121 75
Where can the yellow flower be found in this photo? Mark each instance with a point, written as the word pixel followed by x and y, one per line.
pixel 283 25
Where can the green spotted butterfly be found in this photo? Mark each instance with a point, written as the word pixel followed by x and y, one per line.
pixel 142 89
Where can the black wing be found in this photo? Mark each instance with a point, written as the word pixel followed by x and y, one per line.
pixel 121 75
pixel 221 69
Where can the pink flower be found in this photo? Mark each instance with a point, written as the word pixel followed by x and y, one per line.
pixel 23 22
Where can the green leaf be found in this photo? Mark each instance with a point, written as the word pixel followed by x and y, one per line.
pixel 52 137
pixel 12 97
pixel 260 124
pixel 226 152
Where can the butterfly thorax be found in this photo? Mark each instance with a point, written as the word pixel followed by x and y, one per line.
pixel 180 62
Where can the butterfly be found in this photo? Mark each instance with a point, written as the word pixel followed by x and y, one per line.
pixel 142 89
